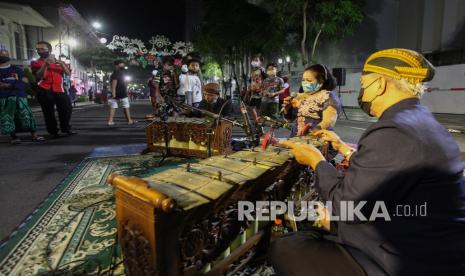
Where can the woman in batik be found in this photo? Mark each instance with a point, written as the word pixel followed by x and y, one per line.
pixel 15 113
pixel 317 106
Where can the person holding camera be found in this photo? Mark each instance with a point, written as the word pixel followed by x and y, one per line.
pixel 50 92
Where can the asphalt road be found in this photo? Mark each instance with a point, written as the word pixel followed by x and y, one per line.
pixel 29 172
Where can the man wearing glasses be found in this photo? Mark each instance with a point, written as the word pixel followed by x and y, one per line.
pixel 404 159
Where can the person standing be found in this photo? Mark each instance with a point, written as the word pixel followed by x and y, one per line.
pixel 190 84
pixel 106 94
pixel 73 94
pixel 119 94
pixel 153 83
pixel 49 71
pixel 253 94
pixel 90 93
pixel 15 113
pixel 286 93
pixel 167 80
pixel 273 86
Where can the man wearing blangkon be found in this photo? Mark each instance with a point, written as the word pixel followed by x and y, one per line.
pixel 405 159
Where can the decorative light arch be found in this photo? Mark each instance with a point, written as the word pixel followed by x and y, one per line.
pixel 138 53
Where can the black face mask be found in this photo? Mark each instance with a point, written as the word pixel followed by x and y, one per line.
pixel 44 54
pixel 4 59
pixel 365 106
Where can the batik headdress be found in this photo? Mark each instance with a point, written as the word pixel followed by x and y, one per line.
pixel 400 63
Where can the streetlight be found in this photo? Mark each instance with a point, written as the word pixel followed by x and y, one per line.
pixel 97 25
pixel 280 61
pixel 288 60
pixel 126 68
pixel 103 40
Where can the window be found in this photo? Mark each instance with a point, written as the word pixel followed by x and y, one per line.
pixel 29 48
pixel 18 46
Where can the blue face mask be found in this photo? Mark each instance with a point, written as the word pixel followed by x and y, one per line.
pixel 311 87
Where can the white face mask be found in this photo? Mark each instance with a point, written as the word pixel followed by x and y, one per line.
pixel 255 63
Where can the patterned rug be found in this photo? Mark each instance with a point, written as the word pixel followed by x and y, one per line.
pixel 73 231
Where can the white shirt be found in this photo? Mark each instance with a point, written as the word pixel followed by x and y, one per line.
pixel 190 83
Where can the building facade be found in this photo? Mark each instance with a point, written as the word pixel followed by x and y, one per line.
pixel 435 28
pixel 22 26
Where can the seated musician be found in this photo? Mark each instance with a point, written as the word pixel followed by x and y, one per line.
pixel 405 159
pixel 212 101
pixel 317 107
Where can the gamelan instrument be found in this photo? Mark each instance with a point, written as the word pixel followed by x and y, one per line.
pixel 189 137
pixel 184 220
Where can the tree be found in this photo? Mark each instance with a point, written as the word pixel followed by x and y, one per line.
pixel 211 70
pixel 97 58
pixel 233 30
pixel 330 19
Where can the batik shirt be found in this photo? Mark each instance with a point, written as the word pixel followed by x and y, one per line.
pixel 12 75
pixel 167 84
pixel 313 105
pixel 272 85
pixel 256 84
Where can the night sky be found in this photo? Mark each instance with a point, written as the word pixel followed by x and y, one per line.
pixel 135 19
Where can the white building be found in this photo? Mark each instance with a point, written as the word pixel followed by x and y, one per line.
pixel 22 26
pixel 19 26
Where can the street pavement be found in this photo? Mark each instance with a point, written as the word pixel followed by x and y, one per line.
pixel 30 171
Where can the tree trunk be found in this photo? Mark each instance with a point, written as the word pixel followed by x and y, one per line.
pixel 246 64
pixel 304 34
pixel 315 42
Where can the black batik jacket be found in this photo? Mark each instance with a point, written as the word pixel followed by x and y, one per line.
pixel 405 159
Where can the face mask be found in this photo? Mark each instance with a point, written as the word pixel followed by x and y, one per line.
pixel 4 59
pixel 311 87
pixel 365 106
pixel 44 54
pixel 255 64
pixel 184 68
pixel 271 73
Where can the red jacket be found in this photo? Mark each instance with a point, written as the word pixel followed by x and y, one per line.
pixel 53 76
pixel 285 94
